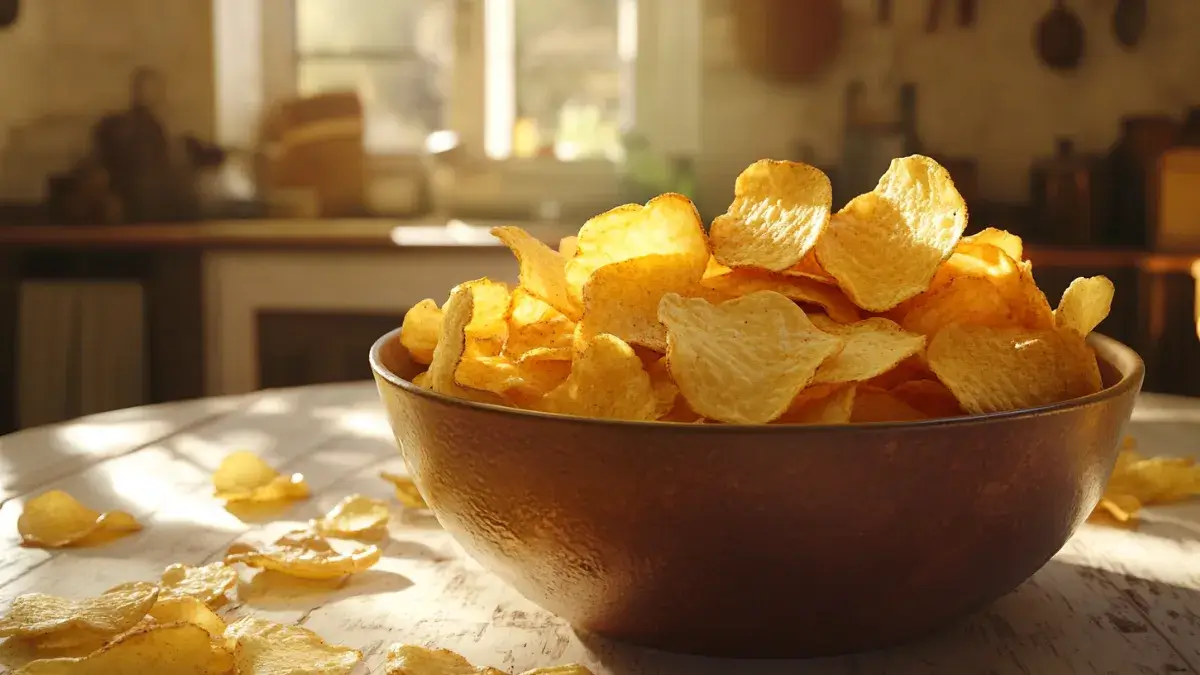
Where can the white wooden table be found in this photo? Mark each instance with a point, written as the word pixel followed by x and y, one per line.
pixel 1112 601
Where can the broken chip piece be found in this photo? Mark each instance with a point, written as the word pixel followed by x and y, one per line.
pixel 306 555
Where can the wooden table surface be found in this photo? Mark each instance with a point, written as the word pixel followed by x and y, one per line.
pixel 1112 601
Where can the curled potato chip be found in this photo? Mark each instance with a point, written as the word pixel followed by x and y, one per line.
pixel 878 405
pixel 420 329
pixel 1137 481
pixel 406 490
pixel 872 347
pixel 821 404
pixel 1005 241
pixel 519 382
pixel 452 347
pixel 414 660
pixel 207 583
pixel 543 270
pixel 622 298
pixel 305 555
pixel 567 246
pixel 885 246
pixel 549 353
pixel 779 210
pixel 356 516
pixel 267 648
pixel 810 267
pixel 112 612
pixel 997 369
pixel 745 360
pixel 666 225
pixel 487 329
pixel 608 381
pixel 244 477
pixel 931 397
pixel 666 392
pixel 967 300
pixel 54 519
pixel 421 379
pixel 186 609
pixel 737 283
pixel 534 324
pixel 178 648
pixel 1084 304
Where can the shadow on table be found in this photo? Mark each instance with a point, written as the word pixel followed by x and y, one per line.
pixel 1066 619
pixel 270 590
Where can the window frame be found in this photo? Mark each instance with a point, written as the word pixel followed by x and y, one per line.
pixel 666 101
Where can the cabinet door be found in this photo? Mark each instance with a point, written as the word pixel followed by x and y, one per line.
pixel 297 348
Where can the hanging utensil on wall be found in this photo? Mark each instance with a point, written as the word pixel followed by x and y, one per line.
pixel 9 11
pixel 1129 22
pixel 883 12
pixel 1059 38
pixel 967 11
pixel 934 16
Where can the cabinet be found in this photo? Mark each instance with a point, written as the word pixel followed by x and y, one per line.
pixel 316 347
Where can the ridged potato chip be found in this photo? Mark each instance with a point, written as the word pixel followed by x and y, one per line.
pixel 415 660
pixel 207 583
pixel 998 369
pixel 487 329
pixel 406 490
pixel 879 405
pixel 778 212
pixel 178 649
pixel 975 301
pixel 115 611
pixel 534 324
pixel 885 246
pixel 929 396
pixel 186 609
pixel 244 477
pixel 55 519
pixel 622 298
pixel 872 347
pixel 736 283
pixel 810 267
pixel 355 517
pixel 821 404
pixel 420 329
pixel 543 270
pixel 452 349
pixel 1084 305
pixel 607 381
pixel 742 361
pixel 268 648
pixel 305 555
pixel 666 225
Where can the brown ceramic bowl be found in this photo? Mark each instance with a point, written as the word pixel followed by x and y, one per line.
pixel 766 540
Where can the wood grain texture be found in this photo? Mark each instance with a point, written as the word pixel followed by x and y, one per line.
pixel 1112 601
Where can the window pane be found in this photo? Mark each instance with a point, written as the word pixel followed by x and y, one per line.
pixel 403 100
pixel 357 26
pixel 569 79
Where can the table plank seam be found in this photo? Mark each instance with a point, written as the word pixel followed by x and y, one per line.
pixel 1137 607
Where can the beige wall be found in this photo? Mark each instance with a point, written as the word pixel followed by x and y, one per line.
pixel 982 93
pixel 66 62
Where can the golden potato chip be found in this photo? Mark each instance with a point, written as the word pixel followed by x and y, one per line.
pixel 178 649
pixel 543 270
pixel 608 381
pixel 520 382
pixel 267 648
pixel 1155 480
pixel 996 369
pixel 420 329
pixel 15 652
pixel 821 404
pixel 878 405
pixel 1084 304
pixel 487 328
pixel 54 519
pixel 207 583
pixel 666 225
pixel 110 613
pixel 421 379
pixel 621 299
pixel 1122 508
pixel 912 368
pixel 414 660
pixel 779 210
pixel 186 609
pixel 534 325
pixel 885 246
pixel 975 301
pixel 550 353
pixel 244 477
pixel 745 360
pixel 305 555
pixel 406 490
pixel 355 517
pixel 666 392
pixel 931 397
pixel 872 347
pixel 1005 241
pixel 737 283
pixel 810 267
pixel 452 349
pixel 567 246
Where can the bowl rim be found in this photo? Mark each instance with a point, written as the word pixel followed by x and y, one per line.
pixel 1107 349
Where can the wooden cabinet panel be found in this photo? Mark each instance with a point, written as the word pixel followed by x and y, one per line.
pixel 315 347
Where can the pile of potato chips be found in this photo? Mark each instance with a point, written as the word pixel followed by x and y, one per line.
pixel 784 312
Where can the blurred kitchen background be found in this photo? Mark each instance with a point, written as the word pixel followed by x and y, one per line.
pixel 203 197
